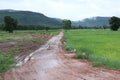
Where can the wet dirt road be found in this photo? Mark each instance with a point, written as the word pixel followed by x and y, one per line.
pixel 50 62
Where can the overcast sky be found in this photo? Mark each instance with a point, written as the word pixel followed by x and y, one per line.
pixel 66 9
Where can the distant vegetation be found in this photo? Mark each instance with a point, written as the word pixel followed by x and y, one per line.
pixel 30 18
pixel 33 18
pixel 92 22
pixel 66 24
pixel 33 27
pixel 115 23
pixel 102 47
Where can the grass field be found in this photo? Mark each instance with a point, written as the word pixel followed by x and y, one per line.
pixel 4 36
pixel 20 42
pixel 102 47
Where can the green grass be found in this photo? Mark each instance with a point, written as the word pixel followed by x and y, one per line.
pixel 4 36
pixel 6 58
pixel 102 47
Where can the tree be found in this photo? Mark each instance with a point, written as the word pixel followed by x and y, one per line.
pixel 115 23
pixel 66 24
pixel 10 24
pixel 47 28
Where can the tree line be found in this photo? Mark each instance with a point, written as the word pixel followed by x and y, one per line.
pixel 32 27
pixel 11 24
pixel 114 25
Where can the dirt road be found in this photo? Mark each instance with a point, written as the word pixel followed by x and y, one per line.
pixel 50 62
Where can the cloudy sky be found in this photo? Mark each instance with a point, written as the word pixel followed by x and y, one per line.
pixel 66 9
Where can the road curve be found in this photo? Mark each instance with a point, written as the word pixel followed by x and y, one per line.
pixel 50 62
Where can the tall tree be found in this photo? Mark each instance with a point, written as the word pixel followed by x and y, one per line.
pixel 115 23
pixel 66 24
pixel 10 24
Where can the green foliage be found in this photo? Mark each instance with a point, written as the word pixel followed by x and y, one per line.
pixel 6 63
pixel 10 24
pixel 47 28
pixel 30 18
pixel 6 59
pixel 115 23
pixel 66 24
pixel 32 27
pixel 83 53
pixel 68 48
pixel 100 46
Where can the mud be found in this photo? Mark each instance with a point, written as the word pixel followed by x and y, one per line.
pixel 50 62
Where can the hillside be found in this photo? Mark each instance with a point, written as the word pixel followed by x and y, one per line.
pixel 33 18
pixel 29 18
pixel 93 22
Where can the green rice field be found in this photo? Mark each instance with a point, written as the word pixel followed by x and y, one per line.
pixel 102 47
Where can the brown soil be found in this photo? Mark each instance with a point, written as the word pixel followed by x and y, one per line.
pixel 25 47
pixel 50 62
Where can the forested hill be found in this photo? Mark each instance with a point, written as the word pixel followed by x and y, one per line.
pixel 33 18
pixel 29 18
pixel 93 22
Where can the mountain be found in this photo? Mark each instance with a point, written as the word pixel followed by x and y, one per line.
pixel 93 22
pixel 29 18
pixel 34 18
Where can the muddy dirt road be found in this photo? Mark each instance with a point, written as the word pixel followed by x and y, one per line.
pixel 50 62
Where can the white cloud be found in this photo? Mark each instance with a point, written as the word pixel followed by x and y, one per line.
pixel 70 9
